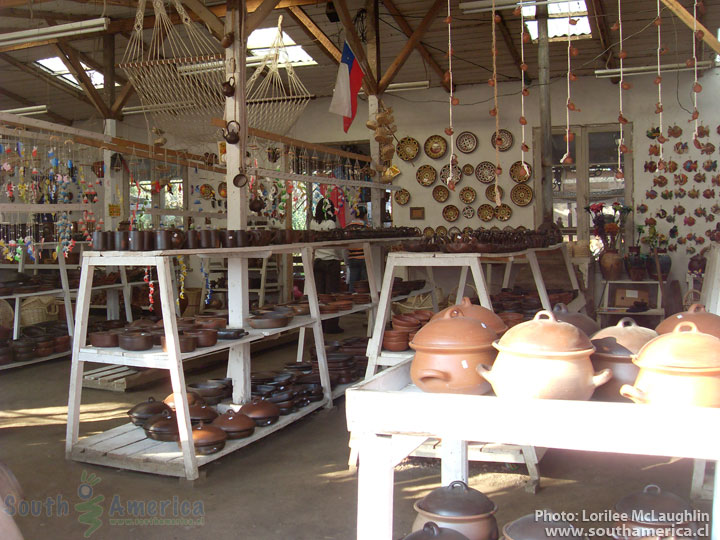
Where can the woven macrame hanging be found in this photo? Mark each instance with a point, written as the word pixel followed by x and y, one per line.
pixel 272 104
pixel 178 76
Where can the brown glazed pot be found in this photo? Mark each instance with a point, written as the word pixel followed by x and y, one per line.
pixel 646 509
pixel 611 265
pixel 205 337
pixel 460 508
pixel 582 321
pixel 706 322
pixel 262 412
pixel 615 347
pixel 192 399
pixel 235 424
pixel 546 359
pixel 495 323
pixel 208 439
pixel 679 368
pixel 448 351
pixel 432 531
pixel 104 339
pixel 162 427
pixel 141 412
pixel 135 341
pixel 531 527
pixel 201 412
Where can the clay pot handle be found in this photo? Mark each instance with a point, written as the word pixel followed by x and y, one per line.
pixel 601 377
pixel 696 308
pixel 626 321
pixel 652 489
pixel 560 308
pixel 428 374
pixel 689 325
pixel 465 302
pixel 484 371
pixel 635 394
pixel 431 529
pixel 545 314
pixel 453 313
pixel 458 484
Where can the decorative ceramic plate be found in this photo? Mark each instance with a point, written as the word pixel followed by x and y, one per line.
pixel 490 192
pixel 440 193
pixel 468 169
pixel 445 173
pixel 467 195
pixel 503 212
pixel 426 175
pixel 206 191
pixel 485 172
pixel 435 146
pixel 454 231
pixel 467 230
pixel 519 173
pixel 468 212
pixel 222 190
pixel 408 148
pixel 402 197
pixel 441 230
pixel 451 213
pixel 486 212
pixel 506 140
pixel 428 232
pixel 466 142
pixel 522 194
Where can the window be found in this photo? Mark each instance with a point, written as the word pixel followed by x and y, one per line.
pixel 57 68
pixel 559 14
pixel 260 41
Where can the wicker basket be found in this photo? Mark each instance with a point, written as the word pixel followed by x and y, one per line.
pixel 7 315
pixel 194 298
pixel 38 309
pixel 419 301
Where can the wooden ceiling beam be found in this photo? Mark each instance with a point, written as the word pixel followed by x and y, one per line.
pixel 213 22
pixel 356 45
pixel 72 62
pixel 18 3
pixel 46 77
pixel 258 16
pixel 408 31
pixel 685 16
pixel 510 44
pixel 412 42
pixel 314 32
pixel 28 103
pixel 597 16
pixel 40 14
pixel 125 93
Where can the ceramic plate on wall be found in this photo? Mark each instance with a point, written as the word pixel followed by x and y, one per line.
pixel 468 169
pixel 486 212
pixel 445 173
pixel 503 212
pixel 468 212
pixel 519 173
pixel 408 148
pixel 467 195
pixel 466 142
pixel 451 213
pixel 402 197
pixel 522 194
pixel 485 172
pixel 490 192
pixel 435 146
pixel 441 230
pixel 505 140
pixel 426 175
pixel 428 232
pixel 441 193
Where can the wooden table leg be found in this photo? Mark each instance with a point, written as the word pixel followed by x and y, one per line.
pixel 539 283
pixel 482 290
pixel 375 344
pixel 461 284
pixel 376 476
pixel 454 464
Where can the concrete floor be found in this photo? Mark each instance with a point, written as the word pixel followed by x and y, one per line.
pixel 291 485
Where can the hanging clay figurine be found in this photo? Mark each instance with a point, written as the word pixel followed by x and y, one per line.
pixel 654 150
pixel 672 166
pixel 670 218
pixel 708 149
pixel 680 193
pixel 710 165
pixel 709 193
pixel 702 131
pixel 651 194
pixel 700 212
pixel 667 194
pixel 690 165
pixel 694 193
pixel 681 148
pixel 650 166
pixel 662 213
pixel 650 222
pixel 675 131
pixel 681 179
pixel 642 208
pixel 679 210
pixel 654 133
pixel 689 221
pixel 660 181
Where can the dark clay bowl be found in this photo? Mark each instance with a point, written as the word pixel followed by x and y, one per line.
pixel 230 333
pixel 135 341
pixel 187 343
pixel 206 337
pixel 267 322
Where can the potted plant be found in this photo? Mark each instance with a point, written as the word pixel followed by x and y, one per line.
pixel 609 228
pixel 656 242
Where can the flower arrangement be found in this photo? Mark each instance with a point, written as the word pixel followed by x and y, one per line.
pixel 609 227
pixel 652 238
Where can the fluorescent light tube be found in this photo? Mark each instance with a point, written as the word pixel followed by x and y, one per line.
pixel 27 111
pixel 649 70
pixel 55 31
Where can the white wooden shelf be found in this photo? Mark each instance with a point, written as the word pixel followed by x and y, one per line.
pixel 40 360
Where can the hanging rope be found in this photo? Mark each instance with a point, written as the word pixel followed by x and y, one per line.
pixel 622 86
pixel 658 81
pixel 451 180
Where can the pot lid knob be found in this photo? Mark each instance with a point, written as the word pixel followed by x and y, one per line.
pixel 626 321
pixel 697 308
pixel 431 529
pixel 686 326
pixel 545 314
pixel 652 489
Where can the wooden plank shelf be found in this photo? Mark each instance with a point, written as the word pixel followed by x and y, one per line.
pixel 40 360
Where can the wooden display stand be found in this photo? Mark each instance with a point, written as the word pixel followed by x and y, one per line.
pixel 388 418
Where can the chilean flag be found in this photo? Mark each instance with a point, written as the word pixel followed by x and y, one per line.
pixel 347 85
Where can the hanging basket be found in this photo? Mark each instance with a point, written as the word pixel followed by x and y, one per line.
pixel 38 309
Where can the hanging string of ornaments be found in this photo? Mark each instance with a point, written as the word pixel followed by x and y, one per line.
pixel 697 87
pixel 661 139
pixel 449 131
pixel 624 85
pixel 567 159
pixel 495 110
pixel 524 92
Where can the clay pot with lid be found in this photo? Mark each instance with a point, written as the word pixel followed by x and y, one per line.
pixel 474 311
pixel 208 439
pixel 679 368
pixel 262 412
pixel 615 347
pixel 235 424
pixel 432 530
pixel 582 321
pixel 141 412
pixel 652 512
pixel 192 399
pixel 533 527
pixel 460 508
pixel 201 412
pixel 545 359
pixel 448 351
pixel 162 427
pixel 706 322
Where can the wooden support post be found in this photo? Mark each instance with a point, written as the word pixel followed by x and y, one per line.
pixel 109 67
pixel 541 15
pixel 373 37
pixel 356 45
pixel 256 18
pixel 71 61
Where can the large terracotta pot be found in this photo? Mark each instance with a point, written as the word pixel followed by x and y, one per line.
pixel 706 322
pixel 652 513
pixel 448 350
pixel 544 358
pixel 611 265
pixel 488 316
pixel 579 320
pixel 679 368
pixel 615 347
pixel 461 508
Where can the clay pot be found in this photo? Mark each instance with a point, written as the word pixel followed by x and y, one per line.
pixel 580 320
pixel 262 412
pixel 611 265
pixel 209 238
pixel 544 358
pixel 448 350
pixel 679 368
pixel 228 239
pixel 98 241
pixel 210 323
pixel 205 337
pixel 135 341
pixel 122 240
pixel 495 323
pixel 187 343
pixel 136 241
pixel 614 348
pixel 104 339
pixel 460 508
pixel 432 530
pixel 201 412
pixel 192 399
pixel 648 510
pixel 235 424
pixel 210 392
pixel 192 239
pixel 532 527
pixel 149 240
pixel 706 322
pixel 162 427
pixel 177 239
pixel 208 439
pixel 141 412
pixel 163 240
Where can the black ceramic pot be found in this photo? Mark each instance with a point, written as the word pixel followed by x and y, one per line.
pixel 122 240
pixel 136 241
